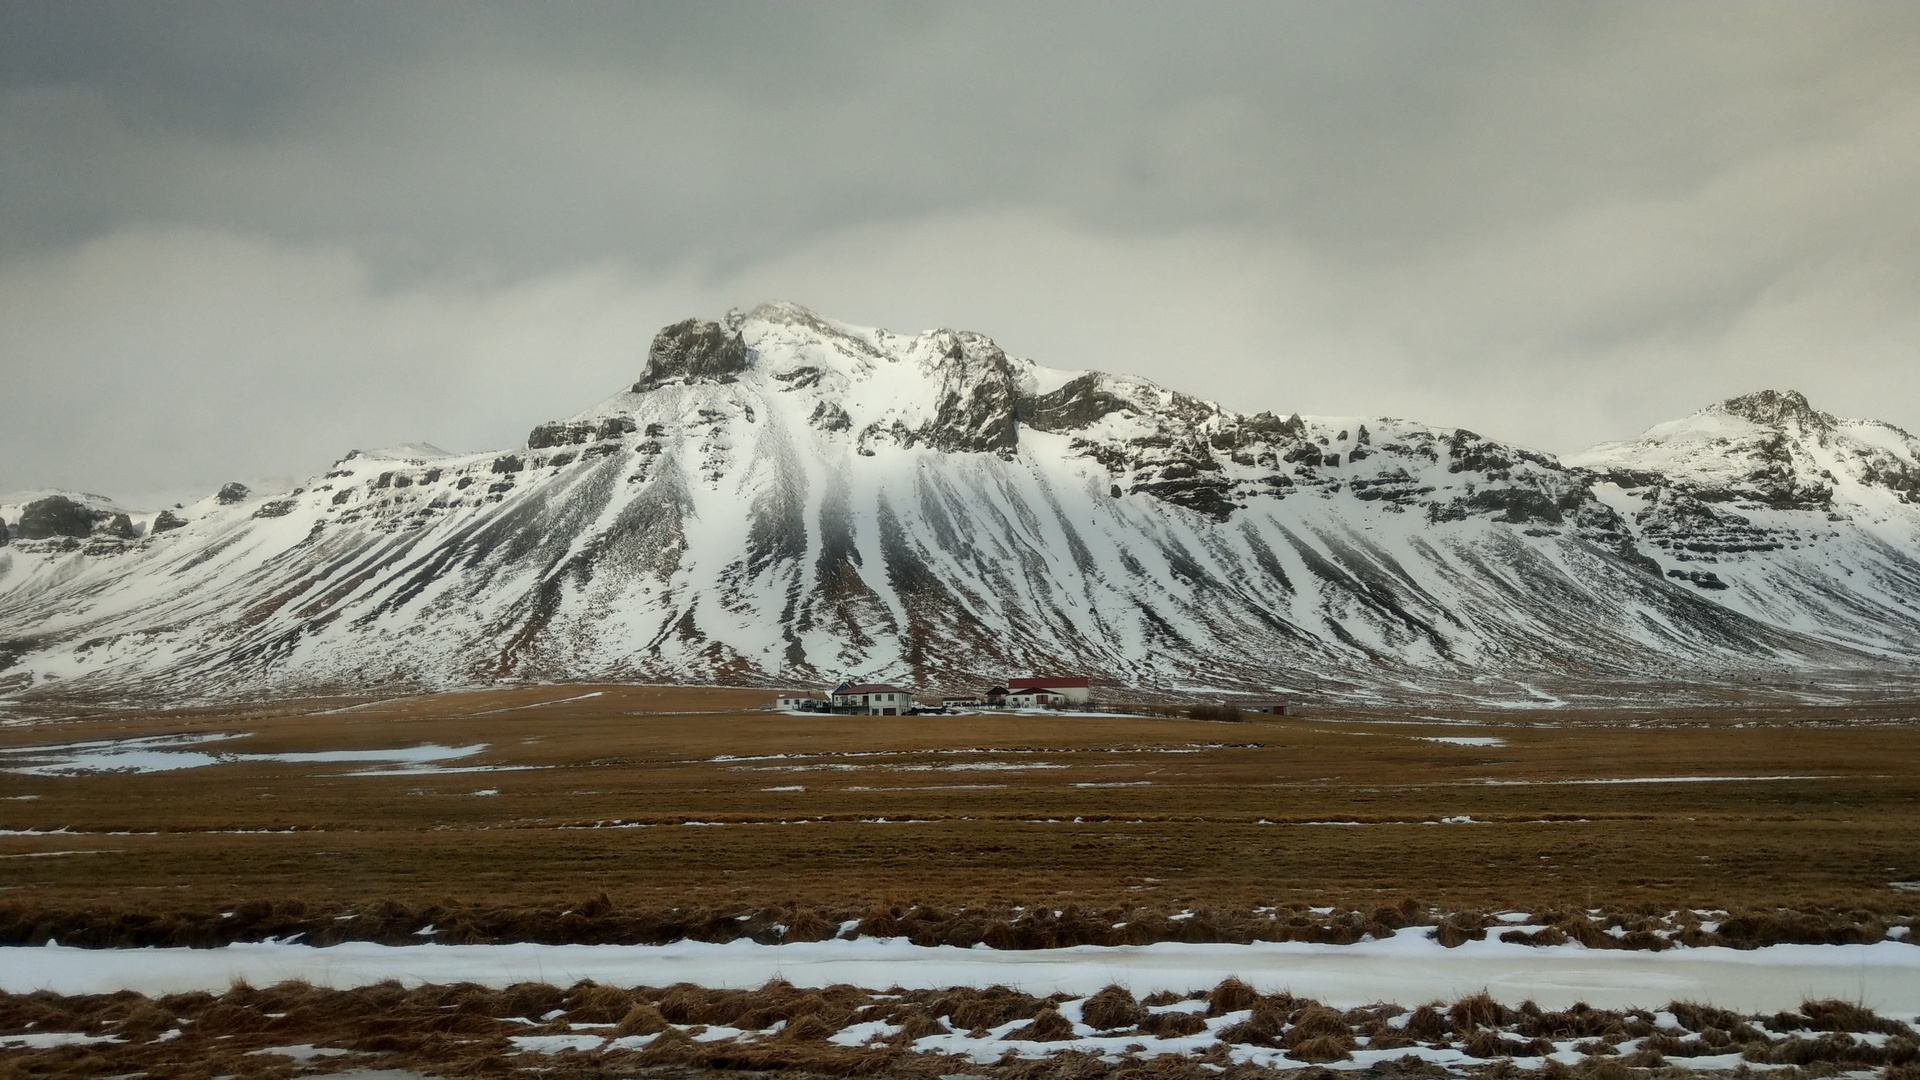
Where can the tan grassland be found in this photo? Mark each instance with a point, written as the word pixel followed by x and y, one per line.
pixel 1092 812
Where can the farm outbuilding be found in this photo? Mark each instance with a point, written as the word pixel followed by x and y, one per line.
pixel 1070 689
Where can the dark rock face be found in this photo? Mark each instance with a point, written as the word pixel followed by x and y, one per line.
pixel 1778 409
pixel 826 417
pixel 976 412
pixel 3 533
pixel 559 434
pixel 56 515
pixel 167 521
pixel 233 493
pixel 694 349
pixel 119 526
pixel 1073 406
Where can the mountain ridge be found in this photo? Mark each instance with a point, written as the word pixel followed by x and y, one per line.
pixel 781 499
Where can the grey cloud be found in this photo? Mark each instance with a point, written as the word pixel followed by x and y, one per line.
pixel 521 136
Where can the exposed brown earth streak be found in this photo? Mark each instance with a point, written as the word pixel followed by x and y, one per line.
pixel 1141 815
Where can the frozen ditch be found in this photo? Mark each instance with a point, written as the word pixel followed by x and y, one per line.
pixel 1407 969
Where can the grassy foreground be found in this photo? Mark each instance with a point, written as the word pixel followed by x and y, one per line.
pixel 589 1030
pixel 691 805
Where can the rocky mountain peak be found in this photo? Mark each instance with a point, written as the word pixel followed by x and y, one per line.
pixel 694 349
pixel 1777 409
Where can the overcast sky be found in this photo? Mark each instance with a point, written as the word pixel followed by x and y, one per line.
pixel 237 240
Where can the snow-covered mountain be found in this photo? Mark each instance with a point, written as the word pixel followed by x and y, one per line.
pixel 783 499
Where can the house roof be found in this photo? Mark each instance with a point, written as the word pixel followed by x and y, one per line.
pixel 1052 682
pixel 868 688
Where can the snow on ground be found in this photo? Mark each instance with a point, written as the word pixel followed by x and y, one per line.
pixel 168 753
pixel 1408 968
pixel 41 1040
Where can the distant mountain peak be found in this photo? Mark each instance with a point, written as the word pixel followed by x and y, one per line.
pixel 1777 409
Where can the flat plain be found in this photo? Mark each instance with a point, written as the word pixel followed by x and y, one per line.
pixel 682 798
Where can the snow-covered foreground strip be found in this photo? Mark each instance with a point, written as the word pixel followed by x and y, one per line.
pixel 1408 968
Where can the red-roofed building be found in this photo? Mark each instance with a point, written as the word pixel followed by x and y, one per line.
pixel 871 699
pixel 1048 690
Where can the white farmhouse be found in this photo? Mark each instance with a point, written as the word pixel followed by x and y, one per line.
pixel 871 699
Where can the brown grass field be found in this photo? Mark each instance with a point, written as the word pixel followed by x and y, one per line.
pixel 683 1032
pixel 984 811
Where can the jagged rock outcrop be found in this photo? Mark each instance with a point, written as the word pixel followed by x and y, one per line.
pixel 694 350
pixel 232 493
pixel 785 499
pixel 565 434
pixel 56 515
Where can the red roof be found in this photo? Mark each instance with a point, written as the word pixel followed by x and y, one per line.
pixel 1058 683
pixel 870 688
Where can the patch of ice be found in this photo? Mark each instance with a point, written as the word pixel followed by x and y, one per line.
pixel 169 753
pixel 1406 968
pixel 47 1040
pixel 553 1044
pixel 302 1052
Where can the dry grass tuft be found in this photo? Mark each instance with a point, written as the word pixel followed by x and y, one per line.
pixel 1835 1015
pixel 642 1019
pixel 1429 1024
pixel 1316 1021
pixel 996 1005
pixel 1047 1026
pixel 1491 1044
pixel 812 1027
pixel 531 1000
pixel 591 1003
pixel 1173 1025
pixel 682 1003
pixel 1231 995
pixel 1478 1011
pixel 1112 1009
pixel 918 1024
pixel 1322 1048
pixel 807 924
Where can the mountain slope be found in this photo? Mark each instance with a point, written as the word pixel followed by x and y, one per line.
pixel 785 499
